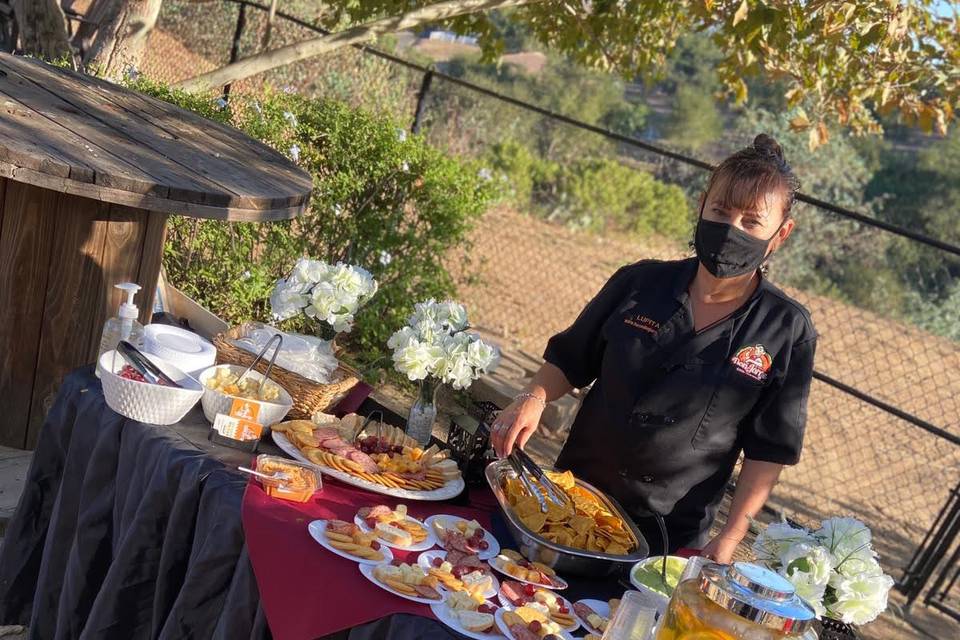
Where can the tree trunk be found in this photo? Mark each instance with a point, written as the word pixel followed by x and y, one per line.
pixel 354 35
pixel 116 40
pixel 43 28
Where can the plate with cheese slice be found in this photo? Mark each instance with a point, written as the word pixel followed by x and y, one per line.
pixel 395 528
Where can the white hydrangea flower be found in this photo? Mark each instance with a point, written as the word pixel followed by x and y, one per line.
pixel 417 360
pixel 482 356
pixel 402 338
pixel 813 560
pixel 808 589
pixel 843 537
pixel 861 599
pixel 286 301
pixel 776 539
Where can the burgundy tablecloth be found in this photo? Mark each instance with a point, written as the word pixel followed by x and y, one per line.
pixel 308 592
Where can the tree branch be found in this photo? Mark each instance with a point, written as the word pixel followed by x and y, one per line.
pixel 354 35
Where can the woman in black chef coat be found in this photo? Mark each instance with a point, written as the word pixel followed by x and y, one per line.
pixel 692 362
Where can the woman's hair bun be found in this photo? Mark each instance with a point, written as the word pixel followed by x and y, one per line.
pixel 767 146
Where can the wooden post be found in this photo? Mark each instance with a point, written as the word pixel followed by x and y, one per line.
pixel 421 100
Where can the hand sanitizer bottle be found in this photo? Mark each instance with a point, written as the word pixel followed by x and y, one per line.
pixel 124 326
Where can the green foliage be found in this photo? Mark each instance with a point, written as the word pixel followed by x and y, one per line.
pixel 599 194
pixel 694 119
pixel 847 60
pixel 382 200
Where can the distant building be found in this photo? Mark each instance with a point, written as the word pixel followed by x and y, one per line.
pixel 449 36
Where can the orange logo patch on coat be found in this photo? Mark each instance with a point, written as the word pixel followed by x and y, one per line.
pixel 753 362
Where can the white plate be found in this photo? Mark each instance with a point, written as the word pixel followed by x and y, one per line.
pixel 559 583
pixel 317 530
pixel 430 541
pixel 425 560
pixel 509 606
pixel 367 571
pixel 491 551
pixel 506 630
pixel 449 618
pixel 447 491
pixel 599 607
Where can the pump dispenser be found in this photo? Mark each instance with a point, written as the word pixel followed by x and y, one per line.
pixel 125 325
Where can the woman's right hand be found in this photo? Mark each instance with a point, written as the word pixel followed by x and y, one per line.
pixel 515 424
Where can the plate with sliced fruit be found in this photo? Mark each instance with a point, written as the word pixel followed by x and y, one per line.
pixel 468 617
pixel 526 623
pixel 395 528
pixel 513 594
pixel 471 575
pixel 595 615
pixel 406 581
pixel 347 541
pixel 467 536
pixel 513 565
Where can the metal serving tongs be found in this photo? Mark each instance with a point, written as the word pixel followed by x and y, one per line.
pixel 553 493
pixel 266 374
pixel 144 366
pixel 532 488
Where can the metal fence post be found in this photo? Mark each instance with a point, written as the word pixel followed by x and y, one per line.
pixel 421 100
pixel 235 47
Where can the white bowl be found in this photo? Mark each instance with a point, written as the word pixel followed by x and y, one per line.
pixel 654 598
pixel 145 402
pixel 183 349
pixel 215 402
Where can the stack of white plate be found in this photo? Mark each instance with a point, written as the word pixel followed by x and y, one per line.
pixel 183 349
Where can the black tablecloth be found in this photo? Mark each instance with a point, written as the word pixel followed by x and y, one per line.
pixel 127 531
pixel 130 531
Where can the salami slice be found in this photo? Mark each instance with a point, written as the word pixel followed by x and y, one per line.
pixel 427 592
pixel 521 632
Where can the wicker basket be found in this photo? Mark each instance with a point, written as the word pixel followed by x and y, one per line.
pixel 308 396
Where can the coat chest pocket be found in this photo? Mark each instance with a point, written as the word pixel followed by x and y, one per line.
pixel 733 398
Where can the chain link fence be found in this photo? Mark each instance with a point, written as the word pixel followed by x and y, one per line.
pixel 884 414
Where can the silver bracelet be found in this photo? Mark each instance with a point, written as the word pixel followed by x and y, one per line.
pixel 542 402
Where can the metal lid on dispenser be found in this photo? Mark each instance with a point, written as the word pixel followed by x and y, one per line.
pixel 757 594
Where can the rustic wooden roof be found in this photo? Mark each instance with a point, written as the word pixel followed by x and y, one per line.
pixel 77 134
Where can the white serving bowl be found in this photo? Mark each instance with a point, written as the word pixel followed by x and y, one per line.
pixel 654 598
pixel 215 402
pixel 145 402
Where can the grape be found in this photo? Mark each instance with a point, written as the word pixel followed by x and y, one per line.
pixel 534 626
pixel 484 545
pixel 438 561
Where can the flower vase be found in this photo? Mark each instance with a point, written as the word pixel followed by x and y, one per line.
pixel 423 413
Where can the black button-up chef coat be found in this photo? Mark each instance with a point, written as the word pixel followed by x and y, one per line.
pixel 671 409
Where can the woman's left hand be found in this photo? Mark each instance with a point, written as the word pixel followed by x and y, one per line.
pixel 721 548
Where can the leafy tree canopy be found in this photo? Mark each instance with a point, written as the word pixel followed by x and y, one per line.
pixel 841 63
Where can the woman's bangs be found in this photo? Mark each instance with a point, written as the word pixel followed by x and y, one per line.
pixel 746 190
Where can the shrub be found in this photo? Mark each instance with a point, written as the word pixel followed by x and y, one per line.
pixel 593 193
pixel 382 200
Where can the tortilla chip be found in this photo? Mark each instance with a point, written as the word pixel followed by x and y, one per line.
pixel 534 521
pixel 616 549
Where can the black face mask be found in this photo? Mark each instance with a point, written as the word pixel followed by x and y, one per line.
pixel 726 251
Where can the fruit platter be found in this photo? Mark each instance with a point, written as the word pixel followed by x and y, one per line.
pixel 376 457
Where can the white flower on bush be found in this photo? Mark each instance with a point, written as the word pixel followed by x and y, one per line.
pixel 295 152
pixel 435 343
pixel 327 293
